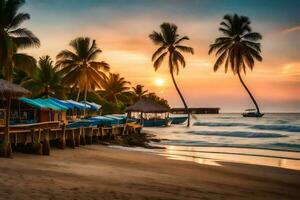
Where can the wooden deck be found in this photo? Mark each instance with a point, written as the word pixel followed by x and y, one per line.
pixel 39 137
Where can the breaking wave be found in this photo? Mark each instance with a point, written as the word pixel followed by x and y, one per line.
pixel 277 127
pixel 242 134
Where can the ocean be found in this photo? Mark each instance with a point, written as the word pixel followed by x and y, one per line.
pixel 272 140
pixel 272 131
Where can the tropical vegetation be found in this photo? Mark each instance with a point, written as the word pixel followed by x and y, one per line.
pixel 238 48
pixel 14 38
pixel 46 82
pixel 80 67
pixel 170 46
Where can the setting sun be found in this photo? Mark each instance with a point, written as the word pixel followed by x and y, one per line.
pixel 159 82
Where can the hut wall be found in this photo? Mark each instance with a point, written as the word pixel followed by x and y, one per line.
pixel 2 116
pixel 44 116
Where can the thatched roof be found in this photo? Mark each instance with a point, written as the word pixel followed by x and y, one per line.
pixel 147 106
pixel 12 90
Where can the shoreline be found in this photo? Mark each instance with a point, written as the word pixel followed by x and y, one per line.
pixel 101 172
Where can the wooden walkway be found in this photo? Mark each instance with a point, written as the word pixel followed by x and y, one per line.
pixel 37 138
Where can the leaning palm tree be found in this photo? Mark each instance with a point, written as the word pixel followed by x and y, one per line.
pixel 14 38
pixel 170 45
pixel 47 81
pixel 239 47
pixel 139 92
pixel 115 88
pixel 80 67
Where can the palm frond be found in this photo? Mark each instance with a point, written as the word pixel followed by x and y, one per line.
pixel 157 38
pixel 158 52
pixel 159 60
pixel 181 39
pixel 185 49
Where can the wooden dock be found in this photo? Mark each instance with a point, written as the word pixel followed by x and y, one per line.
pixel 39 137
pixel 196 110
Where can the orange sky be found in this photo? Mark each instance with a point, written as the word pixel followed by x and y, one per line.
pixel 126 47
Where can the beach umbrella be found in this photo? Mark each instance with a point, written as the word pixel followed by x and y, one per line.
pixel 9 91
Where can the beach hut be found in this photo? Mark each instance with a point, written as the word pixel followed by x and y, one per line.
pixel 149 113
pixel 46 109
pixel 8 91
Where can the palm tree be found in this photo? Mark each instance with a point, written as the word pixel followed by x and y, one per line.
pixel 47 81
pixel 239 47
pixel 115 88
pixel 80 68
pixel 14 38
pixel 170 45
pixel 139 92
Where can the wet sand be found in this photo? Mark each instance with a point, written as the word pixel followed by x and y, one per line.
pixel 99 172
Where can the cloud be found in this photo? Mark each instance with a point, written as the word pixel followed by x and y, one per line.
pixel 291 29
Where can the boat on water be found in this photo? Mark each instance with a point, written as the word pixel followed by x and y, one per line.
pixel 252 113
pixel 179 119
pixel 157 122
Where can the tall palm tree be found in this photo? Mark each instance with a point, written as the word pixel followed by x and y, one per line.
pixel 170 45
pixel 115 88
pixel 139 92
pixel 80 66
pixel 47 81
pixel 14 38
pixel 239 47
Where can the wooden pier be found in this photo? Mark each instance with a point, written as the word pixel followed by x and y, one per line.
pixel 196 110
pixel 39 137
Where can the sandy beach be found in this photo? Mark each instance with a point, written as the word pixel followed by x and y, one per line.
pixel 99 172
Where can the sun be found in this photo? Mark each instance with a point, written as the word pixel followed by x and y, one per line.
pixel 159 82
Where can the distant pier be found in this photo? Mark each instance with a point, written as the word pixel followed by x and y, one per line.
pixel 196 110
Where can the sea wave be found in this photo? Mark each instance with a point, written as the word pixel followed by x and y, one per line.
pixel 216 124
pixel 242 134
pixel 286 145
pixel 277 127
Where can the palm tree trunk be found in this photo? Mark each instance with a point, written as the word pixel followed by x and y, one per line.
pixel 179 93
pixel 248 91
pixel 85 96
pixel 7 146
pixel 78 94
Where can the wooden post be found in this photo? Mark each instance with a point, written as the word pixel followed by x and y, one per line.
pixel 36 142
pixel 77 137
pixel 6 150
pixel 62 139
pixel 82 137
pixel 46 143
pixel 72 140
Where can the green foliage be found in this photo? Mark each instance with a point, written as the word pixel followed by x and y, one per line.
pixel 115 88
pixel 169 44
pixel 46 82
pixel 14 38
pixel 80 68
pixel 239 47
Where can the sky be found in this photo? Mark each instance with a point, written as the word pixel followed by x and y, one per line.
pixel 121 29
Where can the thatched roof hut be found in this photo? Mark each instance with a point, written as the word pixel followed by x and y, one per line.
pixel 9 91
pixel 12 90
pixel 147 106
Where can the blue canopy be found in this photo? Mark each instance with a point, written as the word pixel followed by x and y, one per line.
pixel 43 104
pixel 93 105
pixel 64 103
pixel 120 119
pixel 78 105
pixel 101 120
pixel 81 123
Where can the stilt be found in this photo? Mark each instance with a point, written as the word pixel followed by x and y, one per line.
pixel 77 137
pixel 62 139
pixel 72 139
pixel 89 135
pixel 46 144
pixel 82 137
pixel 37 147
